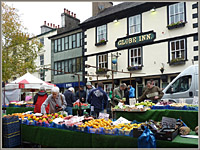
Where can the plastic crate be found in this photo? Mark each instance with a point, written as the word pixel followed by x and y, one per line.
pixel 99 130
pixel 92 130
pixel 10 124
pixel 160 107
pixel 111 132
pixel 12 140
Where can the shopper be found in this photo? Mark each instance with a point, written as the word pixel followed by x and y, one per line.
pixel 90 87
pixel 152 93
pixel 56 102
pixel 70 99
pixel 118 94
pixel 82 95
pixel 39 99
pixel 98 100
pixel 144 89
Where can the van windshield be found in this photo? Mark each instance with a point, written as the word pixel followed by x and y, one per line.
pixel 182 84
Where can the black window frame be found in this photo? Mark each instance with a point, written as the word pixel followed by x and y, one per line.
pixel 169 48
pixel 42 60
pixel 106 32
pixel 97 61
pixel 140 24
pixel 168 15
pixel 141 53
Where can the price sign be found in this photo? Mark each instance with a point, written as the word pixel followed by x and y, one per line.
pixel 103 115
pixel 168 122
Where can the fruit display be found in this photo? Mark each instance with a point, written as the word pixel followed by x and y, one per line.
pixel 142 106
pixel 76 105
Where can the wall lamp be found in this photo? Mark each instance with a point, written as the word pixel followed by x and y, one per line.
pixel 153 10
pixel 115 21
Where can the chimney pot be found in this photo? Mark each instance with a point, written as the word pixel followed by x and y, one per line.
pixel 58 26
pixel 64 10
pixel 69 12
pixel 51 24
pixel 74 15
pixel 44 22
pixel 48 24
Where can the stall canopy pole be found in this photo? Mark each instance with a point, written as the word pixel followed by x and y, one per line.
pixel 130 79
pixel 112 84
pixel 4 98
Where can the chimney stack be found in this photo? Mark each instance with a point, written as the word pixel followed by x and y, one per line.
pixel 74 15
pixel 44 22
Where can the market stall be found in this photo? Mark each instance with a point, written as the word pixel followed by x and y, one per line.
pixel 189 117
pixel 71 139
pixel 52 130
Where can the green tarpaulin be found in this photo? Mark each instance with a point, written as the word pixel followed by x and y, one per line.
pixel 61 138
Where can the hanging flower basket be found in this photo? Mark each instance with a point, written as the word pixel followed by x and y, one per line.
pixel 132 68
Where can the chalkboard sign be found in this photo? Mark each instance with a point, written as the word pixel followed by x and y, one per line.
pixel 169 123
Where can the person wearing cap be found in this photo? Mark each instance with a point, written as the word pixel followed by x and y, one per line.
pixel 70 99
pixel 39 98
pixel 82 95
pixel 90 87
pixel 56 101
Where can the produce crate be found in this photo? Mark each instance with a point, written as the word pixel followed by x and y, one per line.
pixel 160 107
pixel 138 132
pixel 92 130
pixel 169 136
pixel 178 108
pixel 12 140
pixel 111 132
pixel 11 124
pixel 100 130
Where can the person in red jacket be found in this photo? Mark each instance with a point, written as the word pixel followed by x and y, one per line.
pixel 39 99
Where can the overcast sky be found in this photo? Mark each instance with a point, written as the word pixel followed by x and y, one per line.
pixel 33 14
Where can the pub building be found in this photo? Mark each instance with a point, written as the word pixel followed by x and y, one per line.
pixel 151 40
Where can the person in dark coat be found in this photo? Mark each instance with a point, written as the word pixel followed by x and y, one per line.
pixel 126 95
pixel 39 98
pixel 82 95
pixel 70 99
pixel 98 100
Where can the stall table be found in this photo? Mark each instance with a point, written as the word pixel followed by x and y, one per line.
pixel 61 138
pixel 189 117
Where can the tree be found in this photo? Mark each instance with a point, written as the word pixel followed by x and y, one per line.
pixel 18 50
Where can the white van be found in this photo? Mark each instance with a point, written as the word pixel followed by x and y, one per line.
pixel 184 86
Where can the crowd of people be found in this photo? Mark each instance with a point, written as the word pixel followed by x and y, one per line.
pixel 97 97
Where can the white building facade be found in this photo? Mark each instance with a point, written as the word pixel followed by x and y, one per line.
pixel 141 38
pixel 44 56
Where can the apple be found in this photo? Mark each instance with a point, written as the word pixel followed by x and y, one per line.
pixel 40 118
